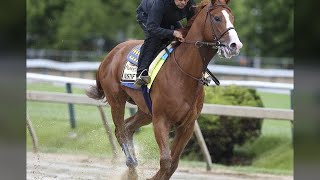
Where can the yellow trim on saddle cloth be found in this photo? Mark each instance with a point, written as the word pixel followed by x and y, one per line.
pixel 156 65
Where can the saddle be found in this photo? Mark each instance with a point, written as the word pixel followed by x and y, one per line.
pixel 130 68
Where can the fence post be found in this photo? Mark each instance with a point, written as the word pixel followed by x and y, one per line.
pixel 32 134
pixel 109 132
pixel 132 112
pixel 71 108
pixel 257 62
pixel 291 105
pixel 203 145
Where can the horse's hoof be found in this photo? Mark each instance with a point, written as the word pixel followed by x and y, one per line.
pixel 131 163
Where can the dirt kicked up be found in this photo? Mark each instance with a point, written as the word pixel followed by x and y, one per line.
pixel 80 167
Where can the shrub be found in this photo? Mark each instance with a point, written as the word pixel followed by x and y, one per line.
pixel 222 133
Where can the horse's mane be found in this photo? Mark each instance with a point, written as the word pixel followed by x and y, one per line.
pixel 198 7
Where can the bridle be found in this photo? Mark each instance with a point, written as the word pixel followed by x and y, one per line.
pixel 216 41
pixel 214 45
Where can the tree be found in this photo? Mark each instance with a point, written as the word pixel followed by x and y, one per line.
pixel 125 13
pixel 81 23
pixel 265 27
pixel 42 21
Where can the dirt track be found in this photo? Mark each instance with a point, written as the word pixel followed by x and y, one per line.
pixel 71 167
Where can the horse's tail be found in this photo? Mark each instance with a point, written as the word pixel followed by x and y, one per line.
pixel 96 92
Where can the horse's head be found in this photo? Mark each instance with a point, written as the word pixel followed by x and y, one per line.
pixel 219 28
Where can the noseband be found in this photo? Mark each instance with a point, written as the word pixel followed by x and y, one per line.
pixel 216 41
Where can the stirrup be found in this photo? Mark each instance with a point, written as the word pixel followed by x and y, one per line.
pixel 142 80
pixel 146 79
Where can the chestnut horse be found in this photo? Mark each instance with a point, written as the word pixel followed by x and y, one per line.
pixel 177 92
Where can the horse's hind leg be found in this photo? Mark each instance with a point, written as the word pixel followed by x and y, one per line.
pixel 117 103
pixel 133 123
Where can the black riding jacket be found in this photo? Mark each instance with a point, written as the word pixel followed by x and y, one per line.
pixel 159 16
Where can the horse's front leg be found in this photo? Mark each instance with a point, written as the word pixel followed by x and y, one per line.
pixel 161 131
pixel 182 136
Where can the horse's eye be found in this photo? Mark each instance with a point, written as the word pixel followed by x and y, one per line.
pixel 217 18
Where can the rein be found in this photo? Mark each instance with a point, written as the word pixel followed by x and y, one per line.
pixel 199 44
pixel 175 60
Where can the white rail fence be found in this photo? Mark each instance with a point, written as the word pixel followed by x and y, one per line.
pixel 88 82
pixel 219 69
pixel 240 111
pixel 210 109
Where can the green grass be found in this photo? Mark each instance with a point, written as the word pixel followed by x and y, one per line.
pixel 51 123
pixel 272 152
pixel 275 100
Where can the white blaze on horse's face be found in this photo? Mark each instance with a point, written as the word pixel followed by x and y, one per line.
pixel 234 45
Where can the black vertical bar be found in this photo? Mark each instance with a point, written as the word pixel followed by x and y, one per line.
pixel 71 108
pixel 132 111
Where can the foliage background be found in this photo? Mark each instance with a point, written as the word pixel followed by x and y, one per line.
pixel 264 27
pixel 223 133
